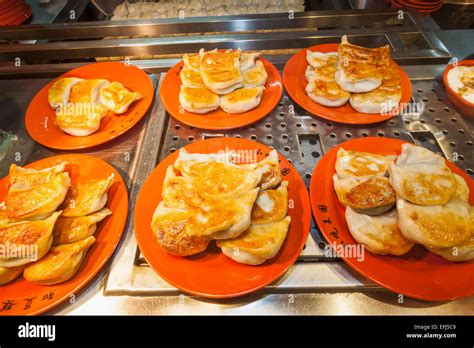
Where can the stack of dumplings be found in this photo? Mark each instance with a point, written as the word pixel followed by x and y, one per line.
pixel 394 202
pixel 209 197
pixel 81 104
pixel 47 224
pixel 232 80
pixel 366 77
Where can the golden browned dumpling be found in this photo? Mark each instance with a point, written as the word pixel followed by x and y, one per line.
pixel 247 60
pixel 361 69
pixel 271 205
pixel 356 164
pixel 198 100
pixel 73 229
pixel 379 234
pixel 219 60
pixel 256 76
pixel 185 161
pixel 174 232
pixel 59 92
pixel 179 191
pixel 117 98
pixel 26 241
pixel 191 78
pixel 460 252
pixel 8 275
pixel 242 100
pixel 192 61
pixel 85 198
pixel 60 264
pixel 326 93
pixel 20 178
pixel 422 177
pixel 38 202
pixel 271 176
pixel 258 244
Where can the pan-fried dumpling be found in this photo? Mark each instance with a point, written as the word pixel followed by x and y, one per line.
pixel 213 60
pixel 271 205
pixel 8 275
pixel 461 252
pixel 256 76
pixel 258 244
pixel 318 59
pixel 173 232
pixel 60 264
pixel 361 69
pixel 272 173
pixel 216 180
pixel 185 161
pixel 192 61
pixel 198 100
pixel 59 92
pixel 356 164
pixel 379 234
pixel 238 211
pixel 26 241
pixel 326 93
pixel 242 100
pixel 191 78
pixel 436 226
pixel 371 196
pixel 221 81
pixel 422 177
pixel 39 201
pixel 70 230
pixel 85 198
pixel 179 191
pixel 20 178
pixel 247 60
pixel 462 190
pixel 117 98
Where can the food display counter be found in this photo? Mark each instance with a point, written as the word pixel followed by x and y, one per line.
pixel 318 282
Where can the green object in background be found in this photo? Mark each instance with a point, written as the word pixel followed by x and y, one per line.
pixel 5 143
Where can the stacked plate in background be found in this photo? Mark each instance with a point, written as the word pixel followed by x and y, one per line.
pixel 14 12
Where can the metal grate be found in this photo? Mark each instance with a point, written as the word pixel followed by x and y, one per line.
pixel 304 139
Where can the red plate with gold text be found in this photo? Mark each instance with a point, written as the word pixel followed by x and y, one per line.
pixel 419 273
pixel 211 273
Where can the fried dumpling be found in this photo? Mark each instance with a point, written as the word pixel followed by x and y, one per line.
pixel 39 201
pixel 247 60
pixel 20 178
pixel 371 196
pixel 198 100
pixel 436 226
pixel 422 177
pixel 382 99
pixel 185 161
pixel 379 234
pixel 212 60
pixel 462 190
pixel 317 59
pixel 271 205
pixel 242 100
pixel 85 198
pixel 7 275
pixel 271 176
pixel 356 164
pixel 324 73
pixel 26 241
pixel 117 98
pixel 461 252
pixel 326 93
pixel 174 233
pixel 239 212
pixel 221 81
pixel 215 180
pixel 361 69
pixel 256 76
pixel 192 61
pixel 60 264
pixel 70 230
pixel 191 78
pixel 87 91
pixel 258 244
pixel 59 92
pixel 179 191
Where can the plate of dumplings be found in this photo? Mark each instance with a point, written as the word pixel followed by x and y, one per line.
pixel 409 209
pixel 222 217
pixel 89 106
pixel 347 83
pixel 220 89
pixel 61 219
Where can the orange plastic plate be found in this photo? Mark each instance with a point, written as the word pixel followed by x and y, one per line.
pixel 40 117
pixel 295 84
pixel 419 273
pixel 25 298
pixel 219 119
pixel 211 273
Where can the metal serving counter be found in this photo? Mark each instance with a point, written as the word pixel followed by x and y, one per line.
pixel 317 283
